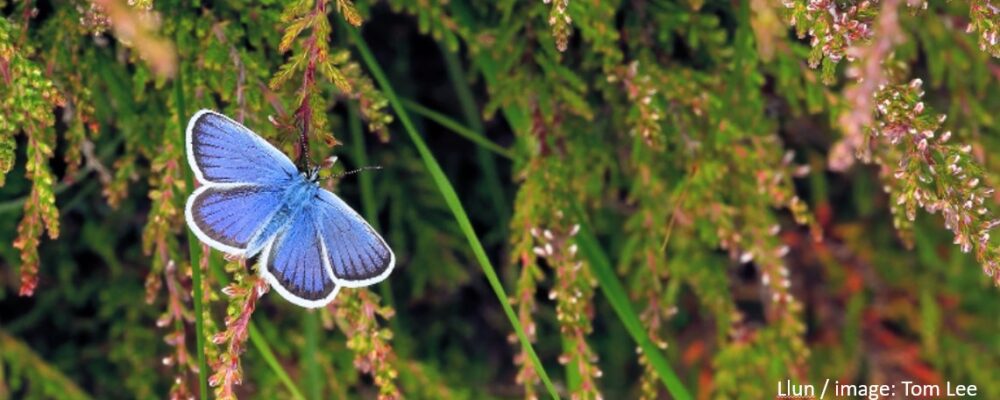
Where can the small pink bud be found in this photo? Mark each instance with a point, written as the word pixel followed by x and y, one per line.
pixel 538 251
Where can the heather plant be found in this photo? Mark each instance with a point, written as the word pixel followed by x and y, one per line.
pixel 586 199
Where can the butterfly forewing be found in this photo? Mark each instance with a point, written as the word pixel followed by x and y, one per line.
pixel 221 151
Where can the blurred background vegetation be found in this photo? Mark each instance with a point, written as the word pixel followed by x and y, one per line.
pixel 587 199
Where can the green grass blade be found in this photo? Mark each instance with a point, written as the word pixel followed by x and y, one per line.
pixel 615 293
pixel 257 338
pixel 194 246
pixel 456 127
pixel 310 367
pixel 451 198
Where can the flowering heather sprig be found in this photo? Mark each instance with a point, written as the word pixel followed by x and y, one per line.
pixel 599 28
pixel 649 381
pixel 357 316
pixel 93 18
pixel 371 102
pixel 158 236
pixel 560 21
pixel 27 98
pixel 644 116
pixel 350 14
pixel 767 252
pixel 78 147
pixel 78 113
pixel 165 215
pixel 573 292
pixel 782 339
pixel 757 178
pixel 834 26
pixel 177 316
pixel 243 294
pixel 532 204
pixel 524 299
pixel 929 172
pixel 315 55
pixel 647 269
pixel 984 20
pixel 210 349
pixel 870 76
pixel 125 173
pixel 758 241
pixel 40 213
pixel 160 240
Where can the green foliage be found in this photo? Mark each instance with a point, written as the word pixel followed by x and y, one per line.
pixel 664 197
pixel 315 54
pixel 28 98
pixel 356 316
pixel 24 372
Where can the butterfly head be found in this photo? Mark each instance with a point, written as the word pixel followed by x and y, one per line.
pixel 312 175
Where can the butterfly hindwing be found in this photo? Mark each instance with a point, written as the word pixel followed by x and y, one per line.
pixel 222 151
pixel 228 218
pixel 293 262
pixel 357 255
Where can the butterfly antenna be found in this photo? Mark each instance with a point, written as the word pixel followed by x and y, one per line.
pixel 354 171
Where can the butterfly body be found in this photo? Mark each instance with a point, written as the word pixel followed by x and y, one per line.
pixel 298 194
pixel 253 201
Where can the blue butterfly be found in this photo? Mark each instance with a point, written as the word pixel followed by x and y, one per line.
pixel 253 199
